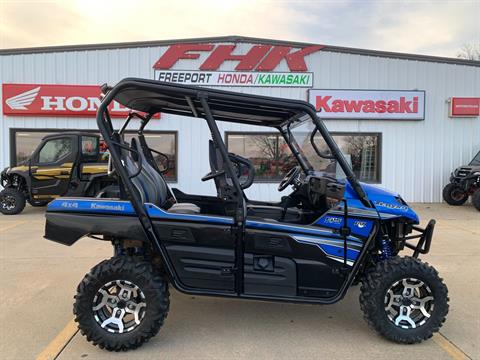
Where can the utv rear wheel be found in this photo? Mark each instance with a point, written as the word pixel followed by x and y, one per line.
pixel 12 201
pixel 453 195
pixel 404 300
pixel 476 199
pixel 121 303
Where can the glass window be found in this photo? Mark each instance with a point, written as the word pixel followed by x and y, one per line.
pixel 268 152
pixel 476 160
pixel 25 144
pixel 272 157
pixel 55 150
pixel 361 150
pixel 89 145
pixel 166 144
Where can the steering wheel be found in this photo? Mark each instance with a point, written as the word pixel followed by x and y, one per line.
pixel 289 178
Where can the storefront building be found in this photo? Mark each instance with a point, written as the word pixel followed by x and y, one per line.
pixel 405 121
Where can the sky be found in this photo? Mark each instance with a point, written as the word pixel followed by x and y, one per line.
pixel 424 27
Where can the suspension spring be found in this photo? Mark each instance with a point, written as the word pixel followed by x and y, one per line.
pixel 386 249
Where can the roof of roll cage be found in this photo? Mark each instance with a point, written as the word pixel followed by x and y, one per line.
pixel 152 96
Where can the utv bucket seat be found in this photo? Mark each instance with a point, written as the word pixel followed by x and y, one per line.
pixel 150 183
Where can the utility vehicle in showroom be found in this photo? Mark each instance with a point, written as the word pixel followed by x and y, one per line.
pixel 464 182
pixel 330 233
pixel 65 163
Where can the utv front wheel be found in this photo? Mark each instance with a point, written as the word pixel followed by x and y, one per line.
pixel 476 199
pixel 453 195
pixel 404 300
pixel 12 201
pixel 121 303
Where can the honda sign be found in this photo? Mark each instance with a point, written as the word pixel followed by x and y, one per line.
pixel 55 100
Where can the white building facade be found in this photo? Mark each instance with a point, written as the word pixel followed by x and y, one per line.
pixel 406 120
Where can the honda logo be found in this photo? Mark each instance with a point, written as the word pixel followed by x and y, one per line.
pixel 22 100
pixel 55 100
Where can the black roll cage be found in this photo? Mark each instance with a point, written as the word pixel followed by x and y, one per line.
pixel 198 104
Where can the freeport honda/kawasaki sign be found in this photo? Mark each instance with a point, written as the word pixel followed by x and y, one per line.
pixel 369 104
pixel 254 67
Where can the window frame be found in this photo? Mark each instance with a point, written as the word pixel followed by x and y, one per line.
pixel 46 163
pixel 333 133
pixel 14 131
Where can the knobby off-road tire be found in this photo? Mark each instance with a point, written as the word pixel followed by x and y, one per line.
pixel 476 199
pixel 12 201
pixel 375 298
pixel 453 195
pixel 128 272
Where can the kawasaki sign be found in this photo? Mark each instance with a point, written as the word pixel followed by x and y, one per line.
pixel 255 67
pixel 369 104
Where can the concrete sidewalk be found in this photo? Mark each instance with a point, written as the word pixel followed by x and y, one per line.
pixel 38 280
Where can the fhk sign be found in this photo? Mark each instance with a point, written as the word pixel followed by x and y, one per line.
pixel 464 107
pixel 255 67
pixel 369 104
pixel 55 100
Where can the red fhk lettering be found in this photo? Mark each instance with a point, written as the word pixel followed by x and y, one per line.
pixel 295 60
pixel 223 53
pixel 259 57
pixel 180 51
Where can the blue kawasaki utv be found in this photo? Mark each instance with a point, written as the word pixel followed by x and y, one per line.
pixel 330 233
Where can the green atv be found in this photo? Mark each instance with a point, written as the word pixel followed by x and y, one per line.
pixel 72 164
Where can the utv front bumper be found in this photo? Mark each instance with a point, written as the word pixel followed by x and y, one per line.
pixel 424 237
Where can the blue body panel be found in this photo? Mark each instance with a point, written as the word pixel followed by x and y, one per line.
pixel 84 205
pixel 323 233
pixel 387 203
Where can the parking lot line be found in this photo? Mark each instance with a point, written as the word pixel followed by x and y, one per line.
pixel 449 347
pixel 59 343
pixel 11 226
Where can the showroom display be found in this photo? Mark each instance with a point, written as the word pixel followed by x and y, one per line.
pixel 330 233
